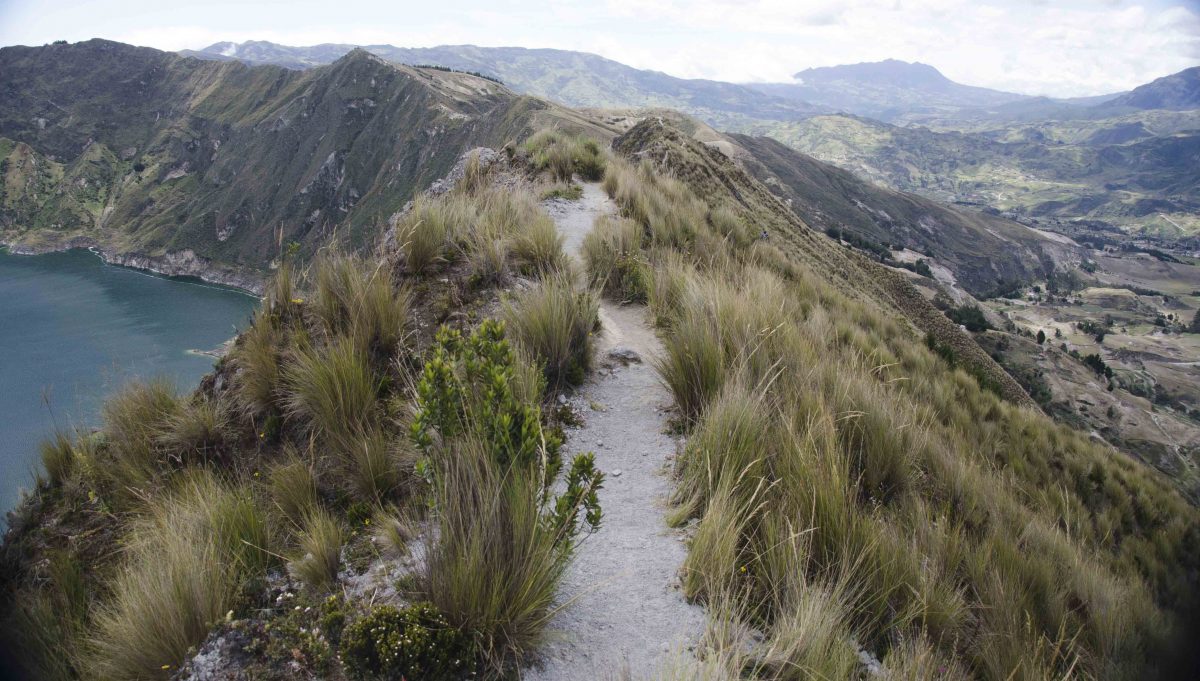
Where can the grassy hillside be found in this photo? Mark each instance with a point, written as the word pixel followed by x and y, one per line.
pixel 859 477
pixel 147 151
pixel 983 251
pixel 855 490
pixel 382 406
pixel 1148 184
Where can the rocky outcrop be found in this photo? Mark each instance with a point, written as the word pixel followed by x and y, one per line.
pixel 187 264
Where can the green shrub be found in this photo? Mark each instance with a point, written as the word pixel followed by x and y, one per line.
pixel 554 322
pixel 502 541
pixel 414 643
pixel 467 387
pixel 969 316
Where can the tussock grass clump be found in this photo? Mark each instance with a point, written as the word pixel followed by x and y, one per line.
pixel 538 246
pixel 614 261
pixel 332 389
pixel 496 565
pixel 693 364
pixel 201 430
pixel 427 232
pixel 554 322
pixel 293 488
pixel 372 464
pixel 133 419
pixel 512 230
pixel 257 358
pixel 183 564
pixel 319 553
pixel 671 214
pixel 487 256
pixel 58 457
pixel 357 300
pixel 566 155
pixel 921 510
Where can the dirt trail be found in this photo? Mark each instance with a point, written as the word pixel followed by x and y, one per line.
pixel 624 612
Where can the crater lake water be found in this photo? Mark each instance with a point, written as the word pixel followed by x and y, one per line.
pixel 74 329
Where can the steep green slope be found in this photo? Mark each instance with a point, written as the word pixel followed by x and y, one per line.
pixel 149 152
pixel 981 250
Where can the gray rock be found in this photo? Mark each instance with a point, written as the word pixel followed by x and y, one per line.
pixel 624 355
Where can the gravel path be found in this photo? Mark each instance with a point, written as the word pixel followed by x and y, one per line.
pixel 623 613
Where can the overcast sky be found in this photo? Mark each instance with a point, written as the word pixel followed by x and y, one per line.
pixel 1052 47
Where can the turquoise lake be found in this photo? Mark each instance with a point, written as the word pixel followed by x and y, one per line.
pixel 74 329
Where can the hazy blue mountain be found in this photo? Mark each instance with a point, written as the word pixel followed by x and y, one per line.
pixel 885 89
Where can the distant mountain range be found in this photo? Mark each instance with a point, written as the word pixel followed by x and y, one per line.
pixel 891 90
pixel 576 79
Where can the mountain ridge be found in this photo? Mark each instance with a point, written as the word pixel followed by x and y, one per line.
pixel 151 153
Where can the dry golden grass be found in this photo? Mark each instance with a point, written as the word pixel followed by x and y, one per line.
pixel 943 528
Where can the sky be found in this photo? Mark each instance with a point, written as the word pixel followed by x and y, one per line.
pixel 1042 47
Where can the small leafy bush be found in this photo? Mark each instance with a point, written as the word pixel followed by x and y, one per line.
pixel 969 316
pixel 414 643
pixel 502 541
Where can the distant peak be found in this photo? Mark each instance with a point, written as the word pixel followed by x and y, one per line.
pixel 891 70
